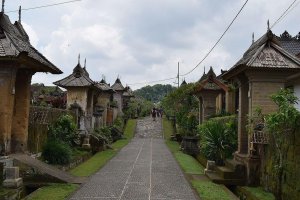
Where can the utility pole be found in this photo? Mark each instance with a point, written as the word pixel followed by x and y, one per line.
pixel 178 76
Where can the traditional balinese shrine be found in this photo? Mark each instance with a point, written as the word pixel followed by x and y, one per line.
pixel 127 96
pixel 19 60
pixel 261 72
pixel 80 94
pixel 210 91
pixel 118 96
pixel 104 98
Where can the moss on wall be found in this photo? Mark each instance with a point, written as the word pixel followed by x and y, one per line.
pixel 291 174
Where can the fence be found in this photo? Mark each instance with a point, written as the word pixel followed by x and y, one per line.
pixel 40 118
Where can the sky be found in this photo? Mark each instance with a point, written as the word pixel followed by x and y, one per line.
pixel 143 40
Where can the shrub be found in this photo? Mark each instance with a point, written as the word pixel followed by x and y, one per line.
pixel 57 152
pixel 119 124
pixel 64 129
pixel 218 139
pixel 103 134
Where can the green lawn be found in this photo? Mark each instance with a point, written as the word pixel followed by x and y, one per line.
pixel 61 191
pixel 189 164
pixel 205 189
pixel 99 159
pixel 259 193
pixel 53 192
pixel 208 190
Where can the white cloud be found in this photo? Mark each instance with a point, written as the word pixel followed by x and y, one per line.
pixel 143 40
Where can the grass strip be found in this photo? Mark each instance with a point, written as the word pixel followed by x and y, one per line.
pixel 189 164
pixel 100 159
pixel 206 190
pixel 259 193
pixel 53 192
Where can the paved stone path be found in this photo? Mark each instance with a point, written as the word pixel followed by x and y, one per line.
pixel 143 170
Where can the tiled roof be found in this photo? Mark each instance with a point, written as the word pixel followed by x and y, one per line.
pixel 15 42
pixel 183 82
pixel 266 52
pixel 210 81
pixel 102 85
pixel 78 78
pixel 128 92
pixel 117 86
pixel 289 43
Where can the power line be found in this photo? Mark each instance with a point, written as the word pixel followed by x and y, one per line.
pixel 217 40
pixel 206 54
pixel 285 13
pixel 45 6
pixel 156 81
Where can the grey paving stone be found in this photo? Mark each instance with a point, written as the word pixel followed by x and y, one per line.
pixel 144 169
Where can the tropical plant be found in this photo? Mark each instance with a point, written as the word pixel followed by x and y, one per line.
pixel 218 140
pixel 64 129
pixel 103 134
pixel 281 126
pixel 57 152
pixel 184 105
pixel 138 107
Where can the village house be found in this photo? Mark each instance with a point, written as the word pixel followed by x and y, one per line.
pixel 211 91
pixel 266 67
pixel 118 96
pixel 80 93
pixel 19 61
pixel 127 96
pixel 104 98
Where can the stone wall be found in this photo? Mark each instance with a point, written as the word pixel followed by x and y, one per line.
pixel 39 120
pixel 79 95
pixel 260 93
pixel 118 98
pixel 291 174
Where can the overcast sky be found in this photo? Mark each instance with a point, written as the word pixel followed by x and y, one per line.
pixel 142 40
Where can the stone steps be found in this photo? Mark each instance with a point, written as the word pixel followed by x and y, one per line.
pixel 233 173
pixel 214 177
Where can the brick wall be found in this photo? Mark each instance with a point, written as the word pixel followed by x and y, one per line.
pixel 260 96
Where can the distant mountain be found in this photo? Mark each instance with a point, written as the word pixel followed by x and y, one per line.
pixel 154 93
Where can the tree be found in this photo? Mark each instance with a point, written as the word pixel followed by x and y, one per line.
pixel 281 126
pixel 184 105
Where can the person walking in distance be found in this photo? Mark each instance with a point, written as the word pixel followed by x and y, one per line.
pixel 153 113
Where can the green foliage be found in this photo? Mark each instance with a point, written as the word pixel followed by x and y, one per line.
pixel 168 129
pixel 64 129
pixel 287 117
pixel 103 134
pixel 138 107
pixel 218 139
pixel 281 126
pixel 119 123
pixel 154 93
pixel 184 106
pixel 57 152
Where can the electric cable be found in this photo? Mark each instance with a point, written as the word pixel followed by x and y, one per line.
pixel 217 40
pixel 44 6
